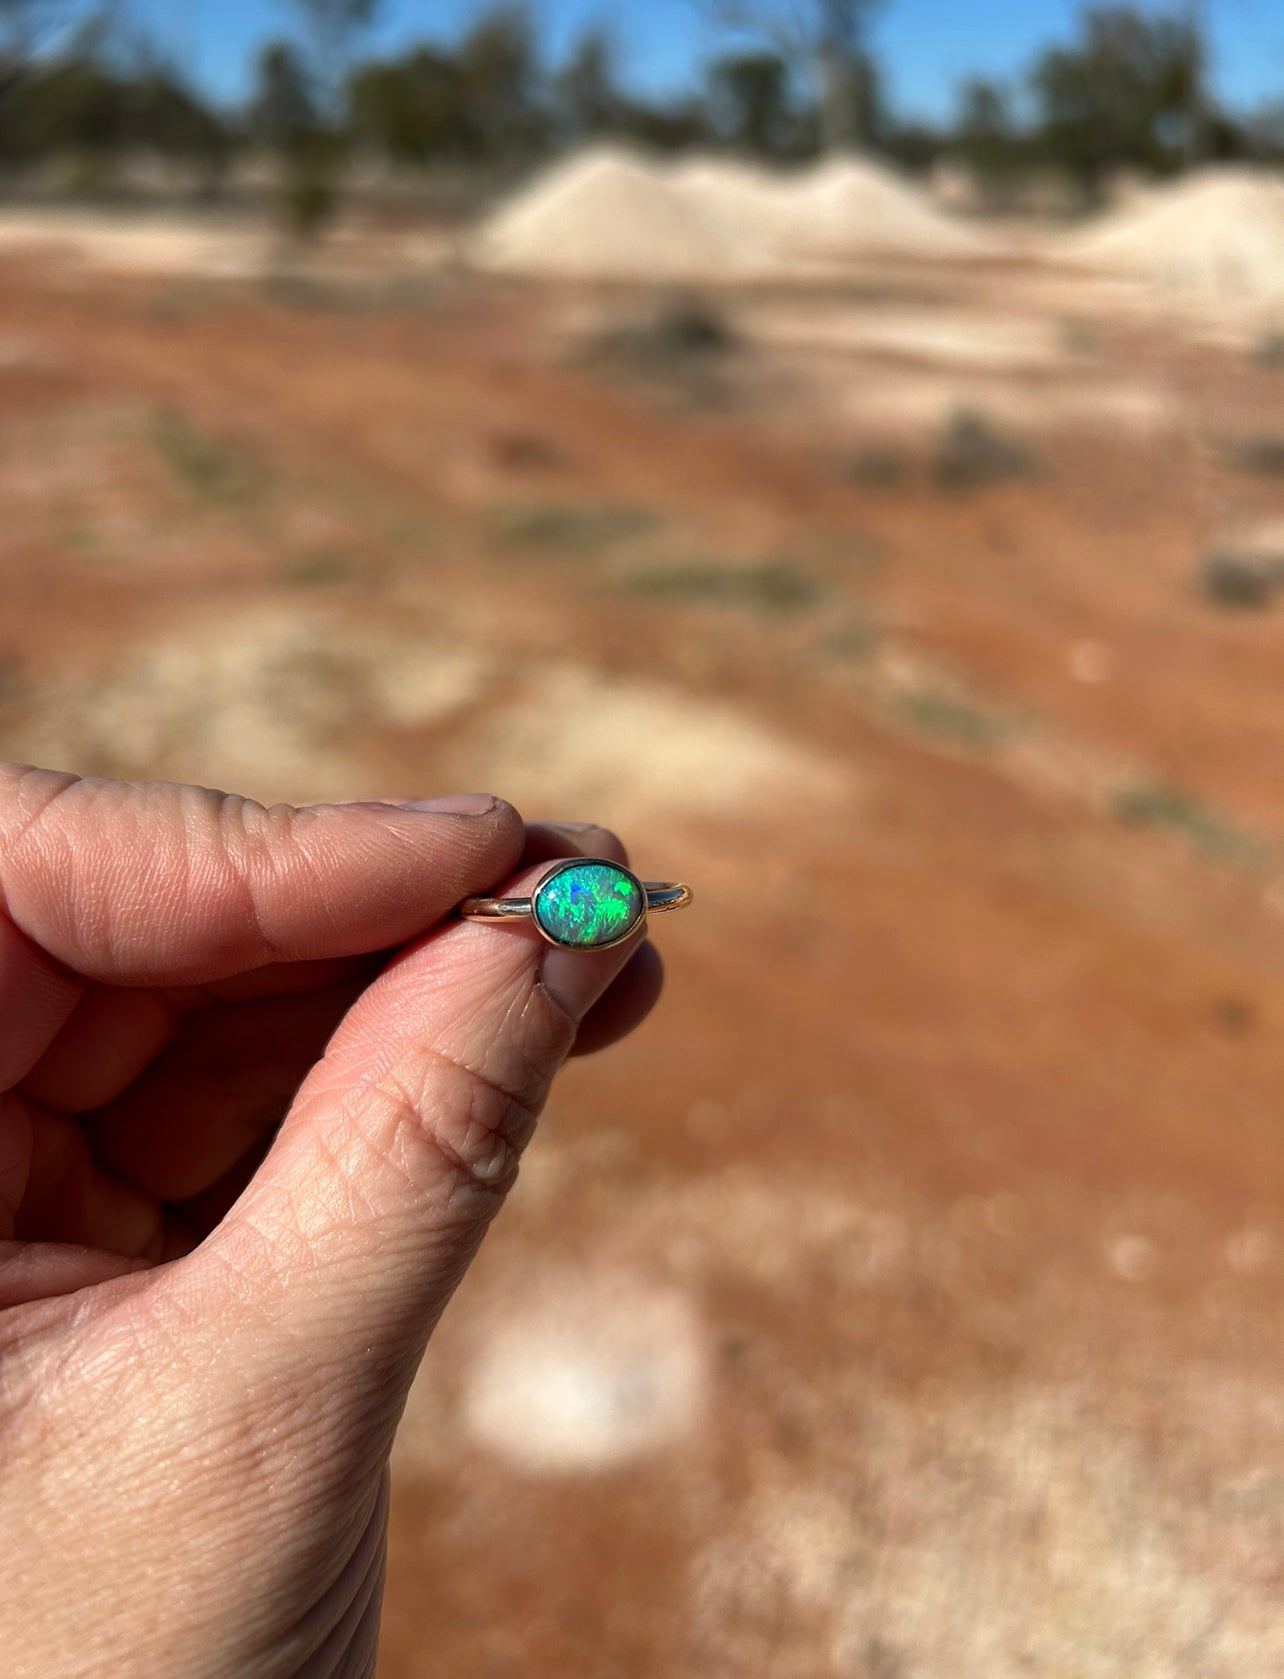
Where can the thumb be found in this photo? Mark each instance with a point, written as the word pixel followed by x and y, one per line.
pixel 398 1150
pixel 138 883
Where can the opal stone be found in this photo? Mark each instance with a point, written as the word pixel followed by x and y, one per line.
pixel 587 905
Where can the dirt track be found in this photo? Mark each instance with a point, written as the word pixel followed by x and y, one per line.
pixel 925 1257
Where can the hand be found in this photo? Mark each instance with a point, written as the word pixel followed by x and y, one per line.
pixel 246 1153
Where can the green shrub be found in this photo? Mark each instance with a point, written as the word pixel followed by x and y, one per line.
pixel 214 470
pixel 570 526
pixel 1262 455
pixel 878 468
pixel 1268 352
pixel 309 199
pixel 1238 582
pixel 1154 805
pixel 774 588
pixel 682 333
pixel 974 452
pixel 319 569
pixel 950 718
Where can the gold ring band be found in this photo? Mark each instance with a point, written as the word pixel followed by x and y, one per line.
pixel 585 903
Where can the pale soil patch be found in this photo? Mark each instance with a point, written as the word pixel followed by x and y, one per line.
pixel 982 341
pixel 629 749
pixel 268 699
pixel 1019 1538
pixel 112 242
pixel 918 402
pixel 589 1371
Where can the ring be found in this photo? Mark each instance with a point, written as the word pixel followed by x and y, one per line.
pixel 588 904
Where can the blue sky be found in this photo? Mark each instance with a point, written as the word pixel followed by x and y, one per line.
pixel 926 46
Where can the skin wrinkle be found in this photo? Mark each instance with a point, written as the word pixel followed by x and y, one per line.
pixel 558 1027
pixel 243 1440
pixel 259 860
pixel 523 1087
pixel 123 932
pixel 316 1568
pixel 527 996
pixel 296 1255
pixel 291 1229
pixel 181 838
pixel 43 1326
pixel 490 1170
pixel 356 1208
pixel 307 1642
pixel 11 842
pixel 227 824
pixel 243 1282
pixel 323 849
pixel 365 1639
pixel 355 1636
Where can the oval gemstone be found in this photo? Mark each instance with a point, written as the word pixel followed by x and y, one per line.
pixel 587 905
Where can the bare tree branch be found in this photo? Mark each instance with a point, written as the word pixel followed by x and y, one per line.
pixel 825 40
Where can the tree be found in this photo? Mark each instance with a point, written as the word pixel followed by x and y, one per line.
pixel 1264 133
pixel 587 88
pixel 412 110
pixel 285 116
pixel 282 111
pixel 827 40
pixel 333 28
pixel 485 102
pixel 1123 94
pixel 501 76
pixel 985 135
pixel 1199 119
pixel 168 118
pixel 666 128
pixel 750 103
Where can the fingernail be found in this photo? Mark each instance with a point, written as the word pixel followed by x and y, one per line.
pixel 575 979
pixel 456 804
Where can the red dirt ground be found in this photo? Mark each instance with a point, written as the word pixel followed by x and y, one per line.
pixel 913 1282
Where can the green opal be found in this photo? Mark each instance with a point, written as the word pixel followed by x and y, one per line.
pixel 587 905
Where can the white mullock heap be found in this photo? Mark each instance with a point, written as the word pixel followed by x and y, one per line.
pixel 613 214
pixel 1216 234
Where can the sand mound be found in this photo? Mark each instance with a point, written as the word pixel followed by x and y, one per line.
pixel 1218 234
pixel 605 214
pixel 848 205
pixel 749 205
